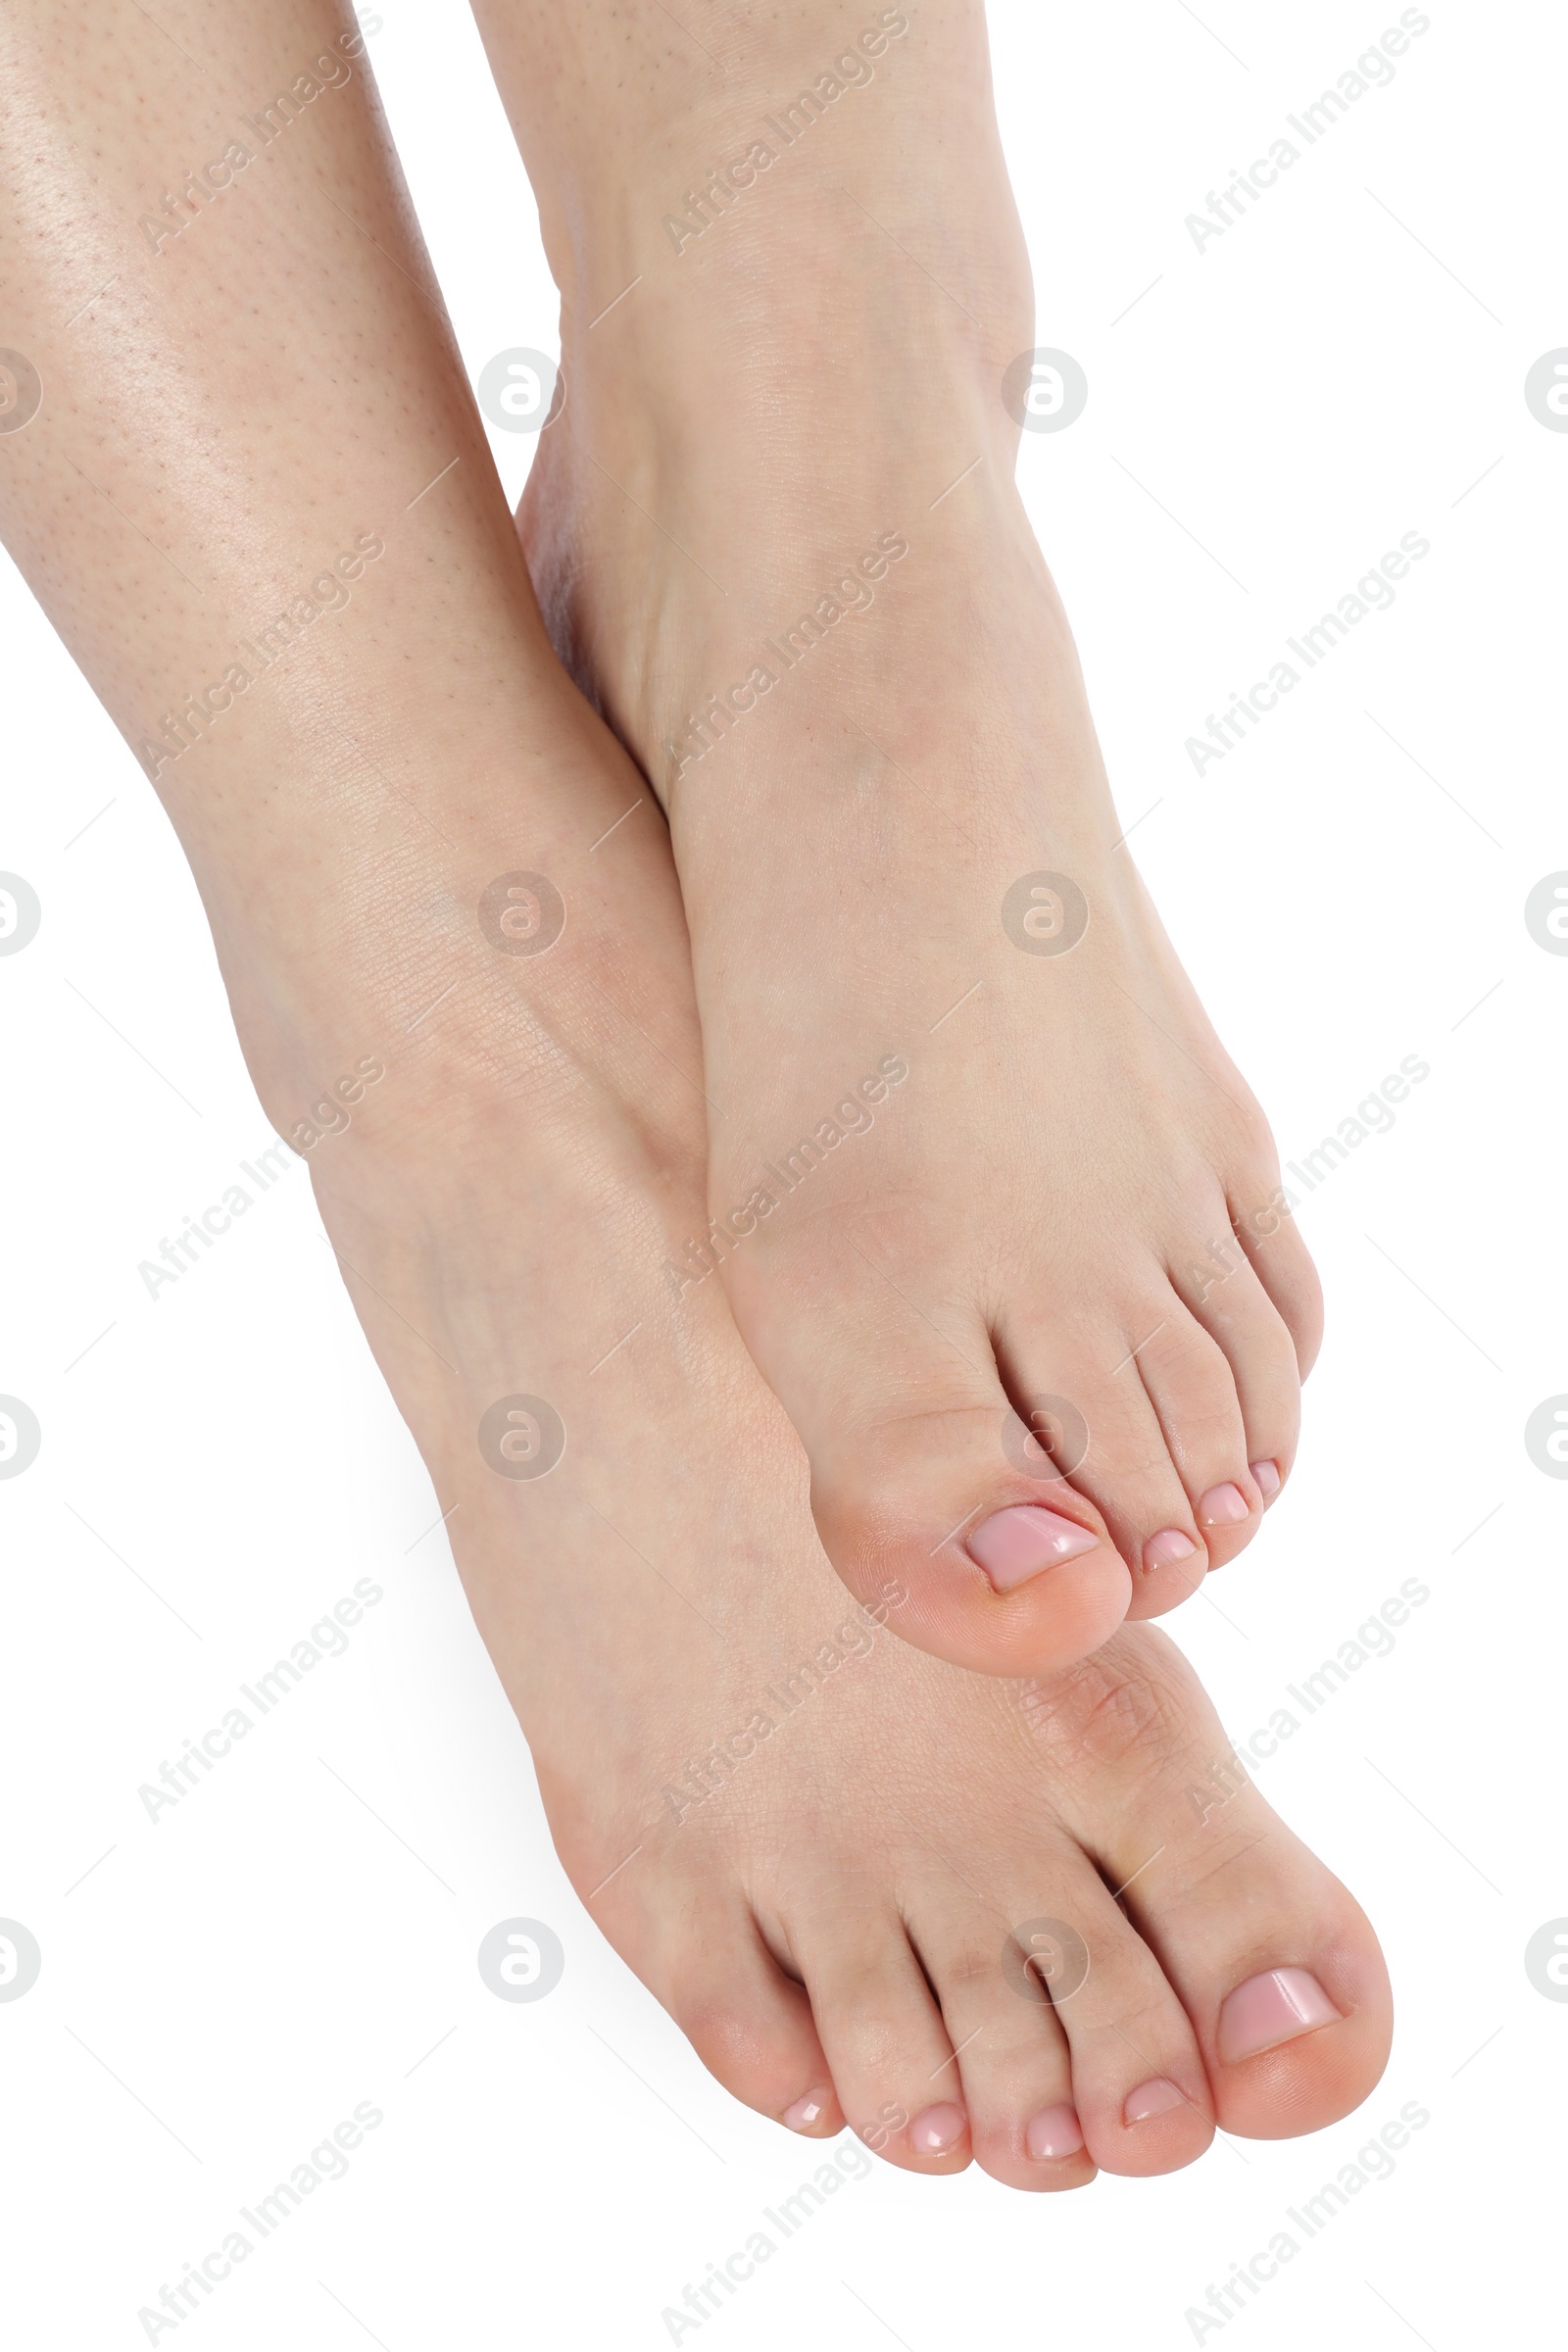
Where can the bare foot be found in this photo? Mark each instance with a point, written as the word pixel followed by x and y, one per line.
pixel 424 858
pixel 979 1164
pixel 627 1506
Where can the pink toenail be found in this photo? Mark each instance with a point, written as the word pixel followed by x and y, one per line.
pixel 808 2110
pixel 1167 1548
pixel 1224 1506
pixel 1054 2131
pixel 937 2129
pixel 1014 1545
pixel 1268 2010
pixel 1267 1477
pixel 1152 2098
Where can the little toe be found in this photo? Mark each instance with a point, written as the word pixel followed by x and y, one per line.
pixel 1242 1321
pixel 751 2025
pixel 1284 1266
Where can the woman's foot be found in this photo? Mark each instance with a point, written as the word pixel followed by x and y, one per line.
pixel 452 937
pixel 627 1506
pixel 978 1159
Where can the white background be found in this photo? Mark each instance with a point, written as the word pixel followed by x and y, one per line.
pixel 221 1465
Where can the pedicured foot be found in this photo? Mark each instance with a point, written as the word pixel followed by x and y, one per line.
pixel 1038 1939
pixel 420 853
pixel 998 1219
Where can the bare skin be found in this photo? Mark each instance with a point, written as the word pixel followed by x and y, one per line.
pixel 776 538
pixel 503 1191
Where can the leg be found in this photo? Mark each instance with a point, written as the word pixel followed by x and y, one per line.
pixel 980 1167
pixel 523 1150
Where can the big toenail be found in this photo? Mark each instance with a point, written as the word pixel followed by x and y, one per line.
pixel 1224 1506
pixel 1268 2010
pixel 1267 1477
pixel 937 2129
pixel 1151 2099
pixel 1054 2131
pixel 806 2111
pixel 1014 1545
pixel 1167 1548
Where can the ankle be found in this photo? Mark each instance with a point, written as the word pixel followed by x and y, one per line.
pixel 818 155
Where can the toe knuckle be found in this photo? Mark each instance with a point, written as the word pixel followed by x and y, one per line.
pixel 731 2044
pixel 1101 1713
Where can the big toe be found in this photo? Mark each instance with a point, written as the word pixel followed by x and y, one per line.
pixel 931 1526
pixel 939 1528
pixel 1274 1962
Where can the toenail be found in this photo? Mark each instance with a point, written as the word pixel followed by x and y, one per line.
pixel 1270 2009
pixel 1167 1548
pixel 1224 1506
pixel 808 2110
pixel 1267 1477
pixel 1054 2131
pixel 937 2129
pixel 1152 2098
pixel 1014 1545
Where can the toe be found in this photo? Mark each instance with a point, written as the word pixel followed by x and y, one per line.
pixel 1011 2056
pixel 888 2051
pixel 1283 1265
pixel 751 2025
pixel 1275 1964
pixel 969 1556
pixel 1083 1410
pixel 1245 1324
pixel 1281 1974
pixel 1191 1388
pixel 897 1396
pixel 1139 2083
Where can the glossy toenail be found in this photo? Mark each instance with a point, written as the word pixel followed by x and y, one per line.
pixel 936 2129
pixel 1267 1477
pixel 808 2110
pixel 1224 1506
pixel 1014 1545
pixel 1167 1548
pixel 1152 2098
pixel 1054 2131
pixel 1268 2010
